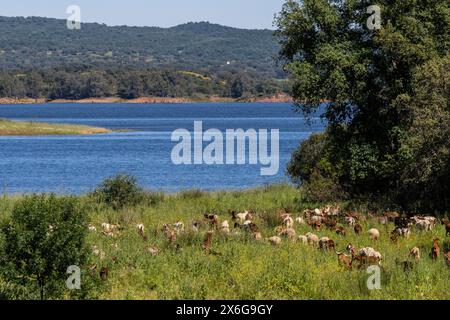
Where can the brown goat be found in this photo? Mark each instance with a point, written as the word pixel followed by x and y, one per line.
pixel 435 250
pixel 316 225
pixel 446 223
pixel 207 242
pixel 104 272
pixel 212 219
pixel 341 231
pixel 344 260
pixel 447 258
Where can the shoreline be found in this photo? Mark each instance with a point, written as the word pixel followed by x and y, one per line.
pixel 10 128
pixel 279 98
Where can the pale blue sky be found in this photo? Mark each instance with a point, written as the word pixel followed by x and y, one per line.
pixel 250 14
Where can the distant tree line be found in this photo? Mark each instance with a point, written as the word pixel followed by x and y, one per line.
pixel 75 83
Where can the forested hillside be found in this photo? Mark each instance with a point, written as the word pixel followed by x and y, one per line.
pixel 42 58
pixel 42 42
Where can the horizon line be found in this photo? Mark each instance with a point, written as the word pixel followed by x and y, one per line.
pixel 143 26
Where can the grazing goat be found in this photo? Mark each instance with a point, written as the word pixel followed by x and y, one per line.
pixel 225 227
pixel 435 250
pixel 170 234
pixel 178 227
pixel 415 253
pixel 326 243
pixel 276 241
pixel 288 233
pixel 400 232
pixel 98 252
pixel 312 239
pixel 351 221
pixel 368 256
pixel 288 222
pixel 316 225
pixel 241 217
pixel 344 260
pixel 351 249
pixel 447 258
pixel 141 230
pixel 212 219
pixel 341 231
pixel 374 234
pixel 358 229
pixel 300 221
pixel 446 223
pixel 104 272
pixel 303 239
pixel 152 250
pixel 406 265
pixel 92 228
pixel 207 242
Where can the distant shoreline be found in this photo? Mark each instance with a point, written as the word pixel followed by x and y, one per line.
pixel 279 98
pixel 32 128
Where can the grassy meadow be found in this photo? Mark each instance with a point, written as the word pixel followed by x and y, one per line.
pixel 242 267
pixel 31 128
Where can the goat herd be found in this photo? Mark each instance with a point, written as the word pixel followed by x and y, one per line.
pixel 328 218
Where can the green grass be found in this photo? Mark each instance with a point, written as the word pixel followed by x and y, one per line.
pixel 247 269
pixel 15 128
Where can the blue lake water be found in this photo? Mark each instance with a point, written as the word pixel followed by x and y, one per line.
pixel 76 164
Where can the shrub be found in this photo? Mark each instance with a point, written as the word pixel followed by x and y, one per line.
pixel 119 191
pixel 42 238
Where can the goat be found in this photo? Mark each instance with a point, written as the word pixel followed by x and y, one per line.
pixel 225 227
pixel 447 258
pixel 368 256
pixel 326 243
pixel 276 241
pixel 178 227
pixel 141 230
pixel 300 221
pixel 446 223
pixel 288 233
pixel 435 250
pixel 104 272
pixel 341 231
pixel 312 239
pixel 152 250
pixel 169 233
pixel 303 239
pixel 351 221
pixel 415 253
pixel 344 260
pixel 212 219
pixel 241 217
pixel 288 222
pixel 92 228
pixel 400 232
pixel 374 234
pixel 316 225
pixel 406 265
pixel 206 246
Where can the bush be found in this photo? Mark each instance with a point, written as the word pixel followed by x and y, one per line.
pixel 120 191
pixel 42 238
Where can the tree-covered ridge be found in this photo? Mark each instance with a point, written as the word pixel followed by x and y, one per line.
pixel 43 42
pixel 389 115
pixel 75 83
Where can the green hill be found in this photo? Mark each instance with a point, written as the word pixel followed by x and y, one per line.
pixel 34 42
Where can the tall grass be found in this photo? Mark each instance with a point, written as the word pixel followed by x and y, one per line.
pixel 245 268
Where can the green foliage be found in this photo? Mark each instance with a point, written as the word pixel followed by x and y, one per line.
pixel 384 137
pixel 42 238
pixel 200 46
pixel 120 191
